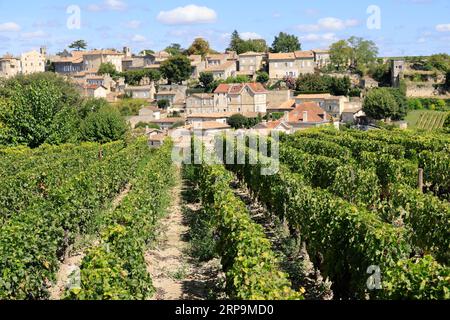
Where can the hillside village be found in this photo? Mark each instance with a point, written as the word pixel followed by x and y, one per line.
pixel 265 89
pixel 172 159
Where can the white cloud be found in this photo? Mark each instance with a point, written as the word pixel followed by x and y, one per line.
pixel 323 38
pixel 108 5
pixel 191 14
pixel 328 24
pixel 9 27
pixel 443 27
pixel 118 5
pixel 34 35
pixel 250 35
pixel 133 24
pixel 139 38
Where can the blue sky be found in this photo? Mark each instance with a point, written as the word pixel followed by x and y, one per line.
pixel 408 27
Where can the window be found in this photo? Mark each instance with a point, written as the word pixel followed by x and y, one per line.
pixel 291 64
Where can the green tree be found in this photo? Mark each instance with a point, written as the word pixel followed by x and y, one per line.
pixel 262 77
pixel 143 125
pixel 174 49
pixel 238 79
pixel 104 126
pixel 340 54
pixel 176 69
pixel 439 61
pixel 236 42
pixel 380 104
pixel 340 86
pixel 146 52
pixel 91 105
pixel 163 104
pixel 78 45
pixel 286 43
pixel 107 68
pixel 36 107
pixel 402 103
pixel 200 46
pixel 241 46
pixel 206 80
pixel 133 77
pixel 237 121
pixel 363 51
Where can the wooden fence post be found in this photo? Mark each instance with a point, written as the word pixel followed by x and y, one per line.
pixel 100 154
pixel 420 180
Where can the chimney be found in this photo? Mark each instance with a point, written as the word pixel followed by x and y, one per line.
pixel 305 116
pixel 325 115
pixel 286 116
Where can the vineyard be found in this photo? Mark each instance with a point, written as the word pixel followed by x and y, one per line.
pixel 426 120
pixel 356 202
pixel 53 195
pixel 354 199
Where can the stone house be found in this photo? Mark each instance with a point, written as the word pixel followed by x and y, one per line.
pixel 9 66
pixel 250 63
pixel 197 64
pixel 282 65
pixel 305 62
pixel 222 71
pixel 321 58
pixel 147 115
pixel 291 64
pixel 333 105
pixel 240 98
pixel 93 59
pixel 168 123
pixel 69 63
pixel 175 94
pixel 200 103
pixel 93 91
pixel 32 62
pixel 303 116
pixel 141 92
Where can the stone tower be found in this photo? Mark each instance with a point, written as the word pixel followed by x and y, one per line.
pixel 397 69
pixel 127 52
pixel 43 51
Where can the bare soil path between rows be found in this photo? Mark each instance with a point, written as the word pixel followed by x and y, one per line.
pixel 176 275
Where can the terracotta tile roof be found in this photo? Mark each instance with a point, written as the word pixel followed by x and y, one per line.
pixel 203 95
pixel 210 125
pixel 282 56
pixel 256 87
pixel 219 56
pixel 92 86
pixel 222 67
pixel 138 88
pixel 102 52
pixel 222 88
pixel 251 54
pixel 304 54
pixel 168 120
pixel 314 96
pixel 314 112
pixel 322 51
pixel 214 115
pixel 289 104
